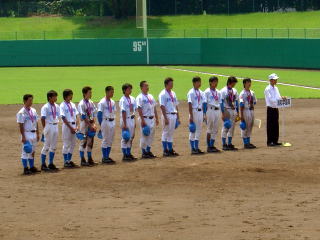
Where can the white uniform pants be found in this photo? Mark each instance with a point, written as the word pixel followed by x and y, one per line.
pixel 146 141
pixel 131 127
pixel 248 116
pixel 51 133
pixel 168 130
pixel 68 138
pixel 32 138
pixel 213 117
pixel 230 114
pixel 197 119
pixel 87 142
pixel 107 130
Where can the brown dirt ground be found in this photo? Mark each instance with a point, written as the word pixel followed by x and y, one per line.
pixel 267 193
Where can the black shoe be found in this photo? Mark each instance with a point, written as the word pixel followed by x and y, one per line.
pixel 67 165
pixel 248 146
pixel 34 170
pixel 173 153
pixel 278 144
pixel 52 167
pixel 194 152
pixel 151 155
pixel 199 151
pixel 91 162
pixel 73 164
pixel 44 168
pixel 128 158
pixel 232 147
pixel 132 157
pixel 84 163
pixel 166 153
pixel 107 161
pixel 145 156
pixel 225 147
pixel 26 171
pixel 271 145
pixel 252 146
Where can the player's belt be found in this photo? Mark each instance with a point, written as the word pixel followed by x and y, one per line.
pixel 53 123
pixel 198 109
pixel 110 119
pixel 132 116
pixel 150 117
pixel 213 108
pixel 251 108
pixel 173 113
pixel 33 131
pixel 72 123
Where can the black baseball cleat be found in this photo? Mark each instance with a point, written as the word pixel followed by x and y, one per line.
pixel 173 153
pixel 145 156
pixel 34 170
pixel 278 144
pixel 44 168
pixel 248 146
pixel 108 161
pixel 194 152
pixel 91 162
pixel 132 157
pixel 84 163
pixel 73 164
pixel 225 147
pixel 166 153
pixel 52 167
pixel 151 155
pixel 232 147
pixel 67 165
pixel 252 146
pixel 199 151
pixel 128 158
pixel 26 171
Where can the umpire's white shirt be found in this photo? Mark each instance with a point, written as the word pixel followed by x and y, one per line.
pixel 196 97
pixel 125 103
pixel 65 111
pixel 147 104
pixel 169 102
pixel 51 112
pixel 107 107
pixel 25 118
pixel 272 95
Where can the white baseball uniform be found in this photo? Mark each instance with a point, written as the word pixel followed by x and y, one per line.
pixel 248 99
pixel 70 113
pixel 147 105
pixel 51 113
pixel 229 98
pixel 87 109
pixel 128 105
pixel 108 109
pixel 196 97
pixel 170 102
pixel 29 118
pixel 213 97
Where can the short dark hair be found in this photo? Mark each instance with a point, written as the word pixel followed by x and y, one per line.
pixel 196 79
pixel 246 80
pixel 167 80
pixel 108 88
pixel 85 90
pixel 26 97
pixel 142 83
pixel 125 87
pixel 213 79
pixel 51 93
pixel 66 93
pixel 232 79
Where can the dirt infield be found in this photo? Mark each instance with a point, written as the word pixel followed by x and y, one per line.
pixel 266 193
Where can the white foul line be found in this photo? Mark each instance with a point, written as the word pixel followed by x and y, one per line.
pixel 221 75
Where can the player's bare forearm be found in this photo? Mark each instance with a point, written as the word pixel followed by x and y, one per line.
pixel 21 128
pixel 156 116
pixel 124 119
pixel 190 112
pixel 178 115
pixel 37 132
pixel 141 116
pixel 43 122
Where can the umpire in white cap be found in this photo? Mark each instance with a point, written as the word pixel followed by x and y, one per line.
pixel 272 95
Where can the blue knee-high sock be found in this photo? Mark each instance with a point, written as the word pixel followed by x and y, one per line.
pixel 196 144
pixel 165 145
pixel 170 147
pixel 104 152
pixel 81 154
pixel 24 162
pixel 229 140
pixel 248 140
pixel 69 156
pixel 148 149
pixel 65 158
pixel 224 141
pixel 89 154
pixel 108 152
pixel 211 142
pixel 192 145
pixel 144 151
pixel 244 141
pixel 51 157
pixel 124 151
pixel 31 162
pixel 43 159
pixel 128 151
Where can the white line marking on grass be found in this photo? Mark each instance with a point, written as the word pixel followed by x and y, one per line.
pixel 256 80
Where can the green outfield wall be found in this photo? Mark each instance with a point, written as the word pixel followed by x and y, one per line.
pixel 289 53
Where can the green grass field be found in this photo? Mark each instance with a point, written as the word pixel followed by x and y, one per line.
pixel 38 80
pixel 163 26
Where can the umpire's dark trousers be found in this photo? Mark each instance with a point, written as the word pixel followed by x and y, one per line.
pixel 272 125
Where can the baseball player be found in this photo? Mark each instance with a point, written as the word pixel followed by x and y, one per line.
pixel 213 98
pixel 27 120
pixel 170 117
pixel 247 101
pixel 148 116
pixel 230 111
pixel 106 118
pixel 70 126
pixel 87 111
pixel 127 105
pixel 50 114
pixel 197 109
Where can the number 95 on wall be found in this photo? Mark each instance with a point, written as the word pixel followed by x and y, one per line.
pixel 137 46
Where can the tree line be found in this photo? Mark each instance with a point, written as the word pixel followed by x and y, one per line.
pixel 125 8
